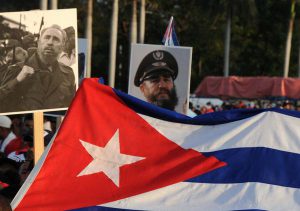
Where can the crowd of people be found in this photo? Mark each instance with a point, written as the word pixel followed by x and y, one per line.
pixel 16 151
pixel 209 107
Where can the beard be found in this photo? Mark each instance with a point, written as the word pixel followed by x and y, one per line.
pixel 47 55
pixel 169 103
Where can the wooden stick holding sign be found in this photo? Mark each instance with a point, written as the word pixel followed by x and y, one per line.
pixel 38 135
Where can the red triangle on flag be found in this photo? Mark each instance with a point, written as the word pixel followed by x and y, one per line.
pixel 94 117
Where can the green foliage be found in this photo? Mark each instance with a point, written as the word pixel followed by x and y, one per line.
pixel 17 5
pixel 258 36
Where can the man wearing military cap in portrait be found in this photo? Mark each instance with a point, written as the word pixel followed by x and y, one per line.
pixel 155 78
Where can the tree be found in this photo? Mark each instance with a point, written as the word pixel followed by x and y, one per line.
pixel 142 21
pixel 89 36
pixel 54 4
pixel 133 25
pixel 256 47
pixel 230 7
pixel 289 40
pixel 43 4
pixel 113 43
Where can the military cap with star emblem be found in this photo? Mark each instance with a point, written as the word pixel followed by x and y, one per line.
pixel 154 63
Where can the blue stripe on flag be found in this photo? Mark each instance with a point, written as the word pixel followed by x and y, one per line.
pixel 213 118
pixel 174 36
pixel 97 208
pixel 170 38
pixel 254 164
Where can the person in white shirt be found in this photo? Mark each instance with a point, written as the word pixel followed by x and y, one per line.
pixel 9 141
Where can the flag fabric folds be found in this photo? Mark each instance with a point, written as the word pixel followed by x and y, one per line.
pixel 170 38
pixel 116 152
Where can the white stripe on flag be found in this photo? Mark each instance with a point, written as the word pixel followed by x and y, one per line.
pixel 267 129
pixel 195 196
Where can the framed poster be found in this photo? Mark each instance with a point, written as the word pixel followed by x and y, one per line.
pixel 161 75
pixel 38 60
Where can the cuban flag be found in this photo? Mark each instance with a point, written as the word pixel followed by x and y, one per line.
pixel 116 152
pixel 170 38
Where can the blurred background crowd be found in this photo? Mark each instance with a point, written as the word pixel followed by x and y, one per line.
pixel 16 150
pixel 202 106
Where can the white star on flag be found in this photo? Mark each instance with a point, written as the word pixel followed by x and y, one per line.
pixel 107 159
